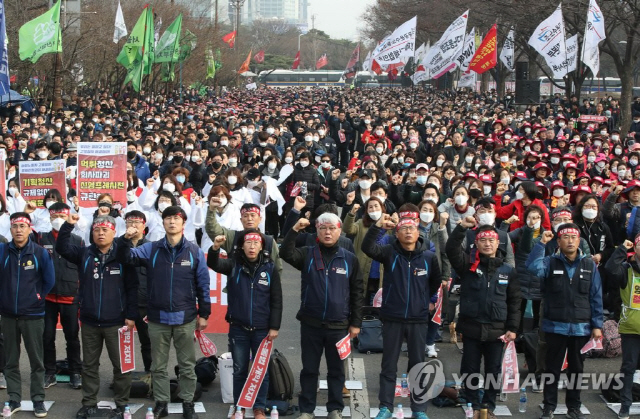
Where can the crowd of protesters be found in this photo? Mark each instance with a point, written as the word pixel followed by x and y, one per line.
pixel 422 194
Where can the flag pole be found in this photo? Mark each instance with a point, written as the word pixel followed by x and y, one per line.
pixel 144 37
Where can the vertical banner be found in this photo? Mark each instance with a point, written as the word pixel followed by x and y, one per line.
pixel 39 177
pixel 442 57
pixel 218 295
pixel 510 373
pixel 507 56
pixel 207 347
pixel 550 42
pixel 102 168
pixel 398 46
pixel 437 315
pixel 3 171
pixel 127 352
pixel 486 56
pixel 256 375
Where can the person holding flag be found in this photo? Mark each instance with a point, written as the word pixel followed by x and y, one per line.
pixel 572 301
pixel 254 310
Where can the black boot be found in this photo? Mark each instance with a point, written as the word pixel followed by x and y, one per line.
pixel 161 410
pixel 188 412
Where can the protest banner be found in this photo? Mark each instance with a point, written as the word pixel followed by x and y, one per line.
pixel 127 349
pixel 102 168
pixel 39 177
pixel 256 375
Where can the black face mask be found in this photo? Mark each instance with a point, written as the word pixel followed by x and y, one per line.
pixel 216 165
pixel 177 159
pixel 475 193
pixel 131 155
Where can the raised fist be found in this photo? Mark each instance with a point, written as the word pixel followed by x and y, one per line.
pixel 546 237
pixel 73 219
pixel 299 203
pixel 350 197
pixel 301 225
pixel 335 174
pixel 355 208
pixel 130 233
pixel 628 244
pixel 468 222
pixel 218 241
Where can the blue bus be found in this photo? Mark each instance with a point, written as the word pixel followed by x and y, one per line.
pixel 294 78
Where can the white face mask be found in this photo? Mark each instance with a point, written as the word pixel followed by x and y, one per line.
pixel 308 138
pixel 169 187
pixel 43 154
pixel 505 180
pixel 13 191
pixel 288 159
pixel 375 215
pixel 591 159
pixel 504 159
pixel 486 218
pixel 413 146
pixel 519 195
pixel 49 203
pixel 439 162
pixel 326 165
pixel 233 162
pixel 367 121
pixel 579 150
pixel 232 179
pixel 364 184
pixel 379 133
pixel 224 143
pixel 163 206
pixel 589 213
pixel 633 162
pixel 622 172
pixel 558 193
pixel 146 150
pixel 554 160
pixel 321 132
pixel 272 165
pixel 252 183
pixel 270 131
pixel 131 196
pixel 427 217
pixel 57 223
pixel 379 150
pixel 304 163
pixel 534 226
pixel 461 200
pixel 486 190
pixel 468 159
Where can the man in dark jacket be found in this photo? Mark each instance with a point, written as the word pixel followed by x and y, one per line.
pixel 178 286
pixel 61 301
pixel 254 311
pixel 331 306
pixel 108 300
pixel 572 300
pixel 306 176
pixel 489 307
pixel 26 277
pixel 404 292
pixel 341 128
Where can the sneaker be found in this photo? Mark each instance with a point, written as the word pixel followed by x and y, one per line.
pixel 624 413
pixel 419 415
pixel 575 414
pixel 384 413
pixel 188 412
pixel 547 413
pixel 345 392
pixel 3 381
pixel 39 410
pixel 86 411
pixel 160 410
pixel 14 406
pixel 335 414
pixel 259 414
pixel 431 351
pixel 537 386
pixel 76 381
pixel 117 413
pixel 306 416
pixel 50 380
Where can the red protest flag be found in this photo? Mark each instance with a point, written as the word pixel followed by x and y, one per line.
pixel 230 39
pixel 322 61
pixel 486 56
pixel 375 67
pixel 245 65
pixel 296 61
pixel 350 71
pixel 259 57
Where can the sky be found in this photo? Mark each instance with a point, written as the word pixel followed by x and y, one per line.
pixel 338 18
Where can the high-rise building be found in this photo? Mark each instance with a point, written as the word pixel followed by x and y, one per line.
pixel 293 12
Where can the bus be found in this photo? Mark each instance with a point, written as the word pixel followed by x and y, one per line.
pixel 589 86
pixel 371 79
pixel 294 78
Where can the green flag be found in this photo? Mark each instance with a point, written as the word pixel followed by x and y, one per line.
pixel 134 74
pixel 211 65
pixel 41 35
pixel 167 72
pixel 168 47
pixel 218 60
pixel 134 41
pixel 148 47
pixel 188 44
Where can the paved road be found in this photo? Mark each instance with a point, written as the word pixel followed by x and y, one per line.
pixel 67 400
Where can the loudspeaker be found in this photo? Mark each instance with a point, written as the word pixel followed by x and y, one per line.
pixel 522 70
pixel 527 92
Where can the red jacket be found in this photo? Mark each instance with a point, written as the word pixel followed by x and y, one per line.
pixel 516 208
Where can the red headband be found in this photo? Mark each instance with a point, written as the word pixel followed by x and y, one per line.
pixel 252 237
pixel 406 222
pixel 569 230
pixel 61 211
pixel 637 240
pixel 250 209
pixel 487 234
pixel 25 220
pixel 562 214
pixel 104 224
pixel 409 214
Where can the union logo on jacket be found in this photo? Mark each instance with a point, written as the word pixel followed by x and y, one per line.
pixel 250 295
pixel 325 292
pixel 26 277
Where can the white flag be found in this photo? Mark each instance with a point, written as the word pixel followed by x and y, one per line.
pixel 442 57
pixel 468 79
pixel 507 56
pixel 572 53
pixel 468 50
pixel 593 35
pixel 366 64
pixel 549 40
pixel 422 73
pixel 121 29
pixel 397 47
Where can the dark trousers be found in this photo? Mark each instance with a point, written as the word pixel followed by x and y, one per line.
pixel 630 358
pixel 93 340
pixel 536 313
pixel 143 336
pixel 313 341
pixel 343 153
pixel 30 331
pixel 69 320
pixel 393 334
pixel 433 330
pixel 243 345
pixel 474 352
pixel 557 346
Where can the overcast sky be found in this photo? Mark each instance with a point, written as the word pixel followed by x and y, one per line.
pixel 338 18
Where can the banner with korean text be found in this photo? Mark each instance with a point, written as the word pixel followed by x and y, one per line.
pixel 397 47
pixel 102 168
pixel 39 177
pixel 442 58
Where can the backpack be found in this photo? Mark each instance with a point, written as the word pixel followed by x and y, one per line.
pixel 280 378
pixel 613 396
pixel 611 343
pixel 174 387
pixel 206 369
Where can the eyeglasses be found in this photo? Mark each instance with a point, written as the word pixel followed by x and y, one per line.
pixel 408 229
pixel 328 228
